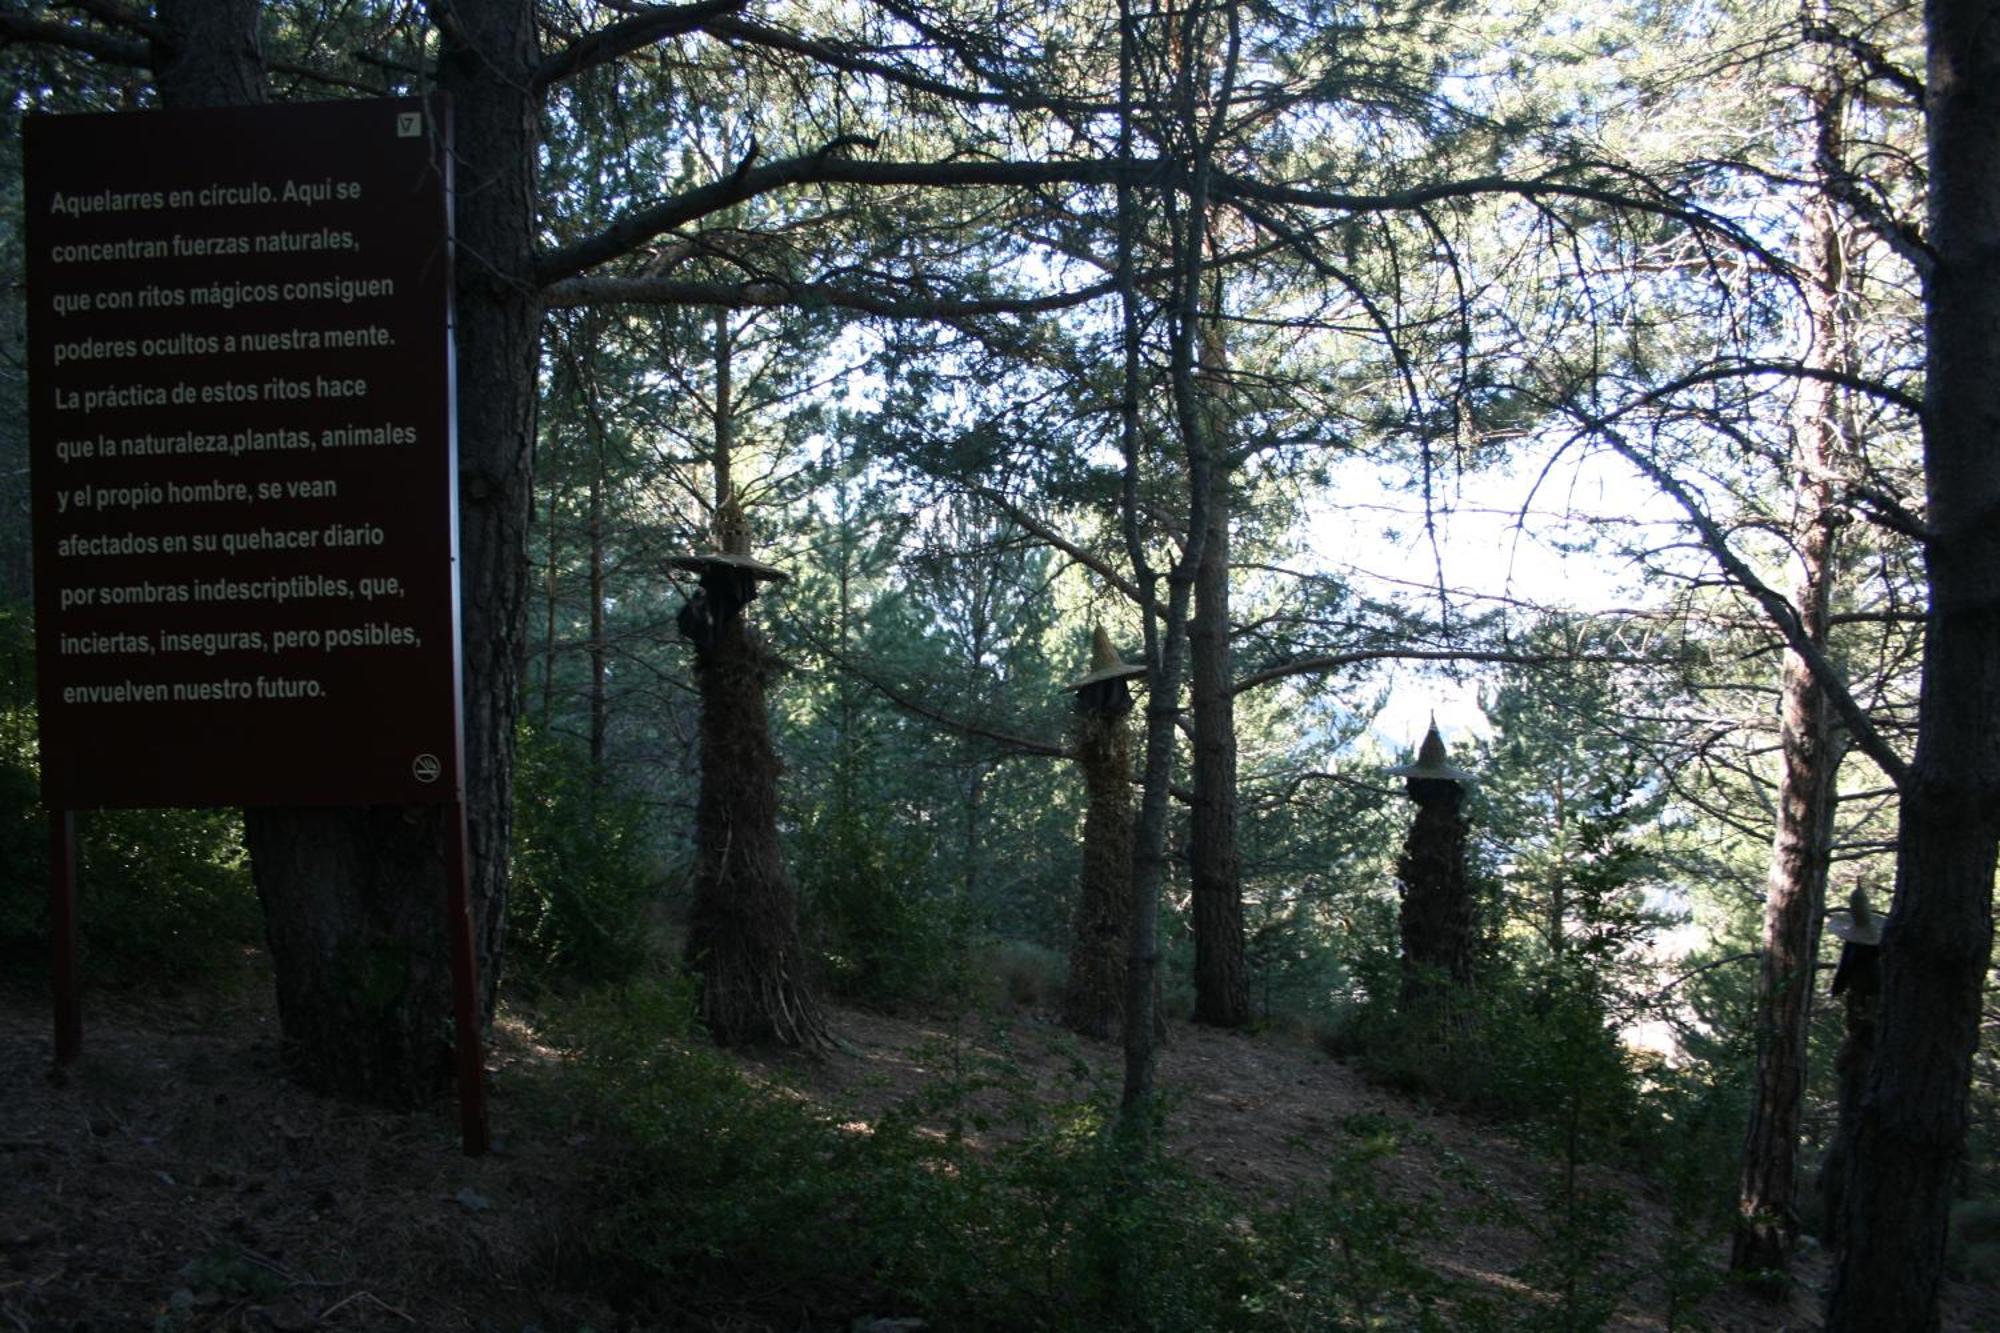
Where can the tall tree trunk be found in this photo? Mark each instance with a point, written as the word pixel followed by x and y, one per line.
pixel 549 588
pixel 1767 1224
pixel 972 841
pixel 1094 998
pixel 1558 929
pixel 1202 104
pixel 207 53
pixel 725 410
pixel 1859 977
pixel 600 712
pixel 353 898
pixel 743 937
pixel 1221 996
pixel 1937 945
pixel 1149 836
pixel 499 315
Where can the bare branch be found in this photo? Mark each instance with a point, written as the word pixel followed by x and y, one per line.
pixel 1035 527
pixel 1859 725
pixel 1233 187
pixel 767 292
pixel 1308 666
pixel 643 29
pixel 1746 369
pixel 72 37
pixel 762 35
pixel 1012 744
pixel 831 168
pixel 1874 61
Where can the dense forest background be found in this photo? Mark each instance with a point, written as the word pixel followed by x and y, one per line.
pixel 1570 376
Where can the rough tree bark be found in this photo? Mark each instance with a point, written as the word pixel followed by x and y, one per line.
pixel 1767 1223
pixel 1186 206
pixel 353 898
pixel 1859 978
pixel 1437 918
pixel 1935 951
pixel 743 935
pixel 600 654
pixel 485 57
pixel 208 54
pixel 1221 992
pixel 1094 998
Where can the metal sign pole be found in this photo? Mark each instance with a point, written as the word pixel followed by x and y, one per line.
pixel 62 932
pixel 465 990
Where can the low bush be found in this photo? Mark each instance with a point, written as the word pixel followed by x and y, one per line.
pixel 882 937
pixel 1019 975
pixel 585 879
pixel 162 895
pixel 1974 1251
pixel 978 1203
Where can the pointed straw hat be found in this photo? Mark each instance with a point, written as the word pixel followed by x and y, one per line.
pixel 1431 762
pixel 732 547
pixel 1105 664
pixel 1857 925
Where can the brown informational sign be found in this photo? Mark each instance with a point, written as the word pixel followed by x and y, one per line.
pixel 241 437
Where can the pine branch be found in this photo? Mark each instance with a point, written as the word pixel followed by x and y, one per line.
pixel 643 29
pixel 1307 666
pixel 102 46
pixel 1874 61
pixel 818 168
pixel 1859 725
pixel 752 33
pixel 119 16
pixel 1035 527
pixel 1012 744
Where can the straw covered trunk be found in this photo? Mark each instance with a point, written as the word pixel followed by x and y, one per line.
pixel 743 937
pixel 1437 915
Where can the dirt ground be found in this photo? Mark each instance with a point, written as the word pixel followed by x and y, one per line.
pixel 174 1181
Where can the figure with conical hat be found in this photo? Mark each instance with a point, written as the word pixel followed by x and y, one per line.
pixel 1094 998
pixel 743 935
pixel 1857 978
pixel 1437 917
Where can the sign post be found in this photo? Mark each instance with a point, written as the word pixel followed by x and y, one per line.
pixel 243 464
pixel 62 930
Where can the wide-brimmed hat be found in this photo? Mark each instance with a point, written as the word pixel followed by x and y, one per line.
pixel 1857 925
pixel 1431 762
pixel 732 548
pixel 1105 664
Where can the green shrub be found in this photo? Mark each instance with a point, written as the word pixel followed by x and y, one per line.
pixel 1344 1257
pixel 162 895
pixel 1020 975
pixel 1527 1045
pixel 1974 1252
pixel 882 938
pixel 584 876
pixel 979 1202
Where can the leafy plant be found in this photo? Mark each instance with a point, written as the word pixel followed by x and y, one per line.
pixel 979 1202
pixel 163 895
pixel 585 879
pixel 883 938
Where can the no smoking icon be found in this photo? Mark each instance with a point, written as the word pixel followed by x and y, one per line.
pixel 425 768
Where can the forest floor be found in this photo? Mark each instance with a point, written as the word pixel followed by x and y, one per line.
pixel 174 1181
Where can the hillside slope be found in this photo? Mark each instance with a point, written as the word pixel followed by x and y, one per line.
pixel 173 1181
